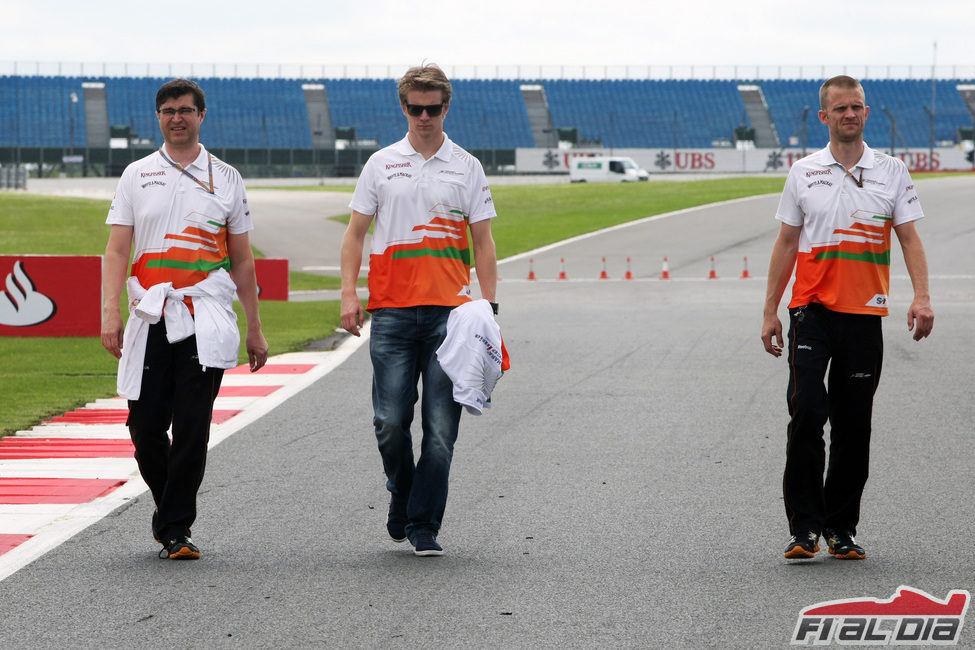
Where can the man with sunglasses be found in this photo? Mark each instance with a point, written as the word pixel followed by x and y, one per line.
pixel 422 194
pixel 837 211
pixel 186 213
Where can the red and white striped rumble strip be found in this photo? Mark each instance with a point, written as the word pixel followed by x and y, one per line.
pixel 65 474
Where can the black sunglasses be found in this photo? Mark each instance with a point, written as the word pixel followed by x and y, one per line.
pixel 433 110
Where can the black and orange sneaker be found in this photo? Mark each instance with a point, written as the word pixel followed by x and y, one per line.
pixel 842 545
pixel 802 546
pixel 180 548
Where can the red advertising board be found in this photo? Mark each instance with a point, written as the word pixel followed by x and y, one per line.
pixel 272 278
pixel 50 295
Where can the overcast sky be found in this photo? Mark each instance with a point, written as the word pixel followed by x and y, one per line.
pixel 457 33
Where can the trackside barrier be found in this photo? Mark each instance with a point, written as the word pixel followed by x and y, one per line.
pixel 272 278
pixel 50 295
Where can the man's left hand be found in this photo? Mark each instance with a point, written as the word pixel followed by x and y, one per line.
pixel 920 319
pixel 256 350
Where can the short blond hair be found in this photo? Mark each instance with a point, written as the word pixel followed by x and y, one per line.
pixel 425 78
pixel 839 81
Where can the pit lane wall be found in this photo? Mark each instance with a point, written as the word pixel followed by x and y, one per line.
pixel 726 161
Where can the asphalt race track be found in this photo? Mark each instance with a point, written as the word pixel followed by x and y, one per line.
pixel 624 490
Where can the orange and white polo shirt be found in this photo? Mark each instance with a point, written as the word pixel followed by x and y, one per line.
pixel 420 251
pixel 181 219
pixel 846 219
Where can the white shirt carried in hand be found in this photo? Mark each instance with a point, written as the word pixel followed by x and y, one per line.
pixel 471 354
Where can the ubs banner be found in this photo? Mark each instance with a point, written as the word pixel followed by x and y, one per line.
pixel 50 295
pixel 726 161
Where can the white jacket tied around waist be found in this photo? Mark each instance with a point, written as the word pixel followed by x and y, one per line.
pixel 471 354
pixel 215 324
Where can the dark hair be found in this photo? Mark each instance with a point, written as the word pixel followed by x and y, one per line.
pixel 425 78
pixel 177 88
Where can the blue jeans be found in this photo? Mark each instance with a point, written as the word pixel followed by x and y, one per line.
pixel 403 345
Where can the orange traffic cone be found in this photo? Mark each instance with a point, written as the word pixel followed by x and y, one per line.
pixel 629 273
pixel 562 275
pixel 531 269
pixel 744 272
pixel 604 275
pixel 712 275
pixel 665 273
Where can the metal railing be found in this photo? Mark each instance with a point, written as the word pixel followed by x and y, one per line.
pixel 13 177
pixel 489 71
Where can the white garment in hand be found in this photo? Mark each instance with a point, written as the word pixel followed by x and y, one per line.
pixel 471 354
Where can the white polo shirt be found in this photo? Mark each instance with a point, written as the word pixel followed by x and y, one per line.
pixel 846 219
pixel 180 226
pixel 420 251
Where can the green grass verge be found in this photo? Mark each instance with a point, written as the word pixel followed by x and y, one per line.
pixel 38 225
pixel 41 377
pixel 530 216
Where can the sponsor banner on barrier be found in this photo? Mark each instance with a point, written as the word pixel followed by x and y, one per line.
pixel 725 161
pixel 50 295
pixel 272 278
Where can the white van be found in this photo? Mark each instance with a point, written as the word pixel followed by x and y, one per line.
pixel 605 169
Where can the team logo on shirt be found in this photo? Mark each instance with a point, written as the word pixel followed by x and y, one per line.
pixel 879 300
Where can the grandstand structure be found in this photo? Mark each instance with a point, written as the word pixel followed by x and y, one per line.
pixel 328 126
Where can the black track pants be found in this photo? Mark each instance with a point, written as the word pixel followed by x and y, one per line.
pixel 175 391
pixel 850 347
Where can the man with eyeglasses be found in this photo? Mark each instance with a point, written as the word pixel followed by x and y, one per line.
pixel 424 193
pixel 186 213
pixel 837 211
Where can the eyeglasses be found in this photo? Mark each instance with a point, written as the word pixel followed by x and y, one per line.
pixel 183 111
pixel 433 110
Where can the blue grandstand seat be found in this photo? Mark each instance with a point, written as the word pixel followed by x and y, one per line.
pixel 486 114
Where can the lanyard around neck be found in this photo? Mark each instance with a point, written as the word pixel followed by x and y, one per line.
pixel 859 181
pixel 183 170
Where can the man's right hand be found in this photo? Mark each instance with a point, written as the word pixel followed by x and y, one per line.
pixel 112 332
pixel 353 314
pixel 772 335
